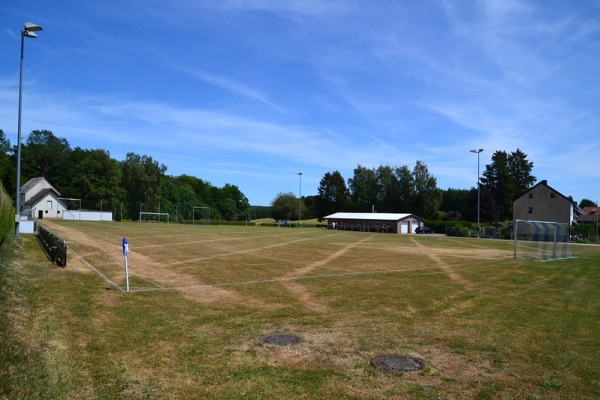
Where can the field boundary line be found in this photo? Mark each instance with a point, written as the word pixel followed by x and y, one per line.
pixel 100 274
pixel 245 251
pixel 435 271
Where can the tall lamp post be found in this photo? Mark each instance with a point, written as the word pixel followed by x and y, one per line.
pixel 478 187
pixel 300 206
pixel 28 31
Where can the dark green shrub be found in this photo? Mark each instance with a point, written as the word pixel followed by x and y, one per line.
pixel 6 214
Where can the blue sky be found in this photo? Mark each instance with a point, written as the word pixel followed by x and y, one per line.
pixel 252 92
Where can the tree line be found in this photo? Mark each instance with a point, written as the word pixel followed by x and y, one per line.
pixel 386 188
pixel 400 189
pixel 138 183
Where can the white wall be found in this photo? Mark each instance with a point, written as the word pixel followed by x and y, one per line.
pixel 26 226
pixel 76 215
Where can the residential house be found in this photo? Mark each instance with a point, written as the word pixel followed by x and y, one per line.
pixel 543 203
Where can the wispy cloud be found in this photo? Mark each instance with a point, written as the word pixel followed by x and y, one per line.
pixel 231 85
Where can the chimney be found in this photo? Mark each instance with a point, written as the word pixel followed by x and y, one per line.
pixel 544 182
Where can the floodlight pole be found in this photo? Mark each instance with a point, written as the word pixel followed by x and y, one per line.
pixel 478 188
pixel 28 31
pixel 300 202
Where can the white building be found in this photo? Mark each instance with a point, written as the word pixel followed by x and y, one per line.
pixel 39 199
pixel 375 222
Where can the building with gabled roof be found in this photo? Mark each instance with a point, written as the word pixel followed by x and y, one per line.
pixel 544 203
pixel 39 199
pixel 375 222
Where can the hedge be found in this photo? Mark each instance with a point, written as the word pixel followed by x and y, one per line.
pixel 6 215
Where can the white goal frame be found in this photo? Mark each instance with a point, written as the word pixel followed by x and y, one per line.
pixel 153 213
pixel 194 214
pixel 541 240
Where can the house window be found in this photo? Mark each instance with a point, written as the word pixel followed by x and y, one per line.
pixel 551 195
pixel 49 205
pixel 530 210
pixel 531 195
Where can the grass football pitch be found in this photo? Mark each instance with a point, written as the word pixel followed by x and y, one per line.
pixel 486 326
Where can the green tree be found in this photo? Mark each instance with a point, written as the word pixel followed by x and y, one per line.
pixel 240 211
pixel 96 179
pixel 507 178
pixel 405 190
pixel 520 170
pixel 332 195
pixel 388 196
pixel 587 203
pixel 364 189
pixel 427 197
pixel 141 180
pixel 453 200
pixel 285 206
pixel 7 164
pixel 44 154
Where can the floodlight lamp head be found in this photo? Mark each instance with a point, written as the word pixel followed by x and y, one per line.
pixel 31 27
pixel 28 34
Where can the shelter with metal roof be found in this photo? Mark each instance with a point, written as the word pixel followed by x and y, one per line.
pixel 375 222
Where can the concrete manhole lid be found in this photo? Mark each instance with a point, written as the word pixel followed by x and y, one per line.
pixel 397 363
pixel 280 339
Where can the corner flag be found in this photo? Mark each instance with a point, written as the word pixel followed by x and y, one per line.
pixel 125 253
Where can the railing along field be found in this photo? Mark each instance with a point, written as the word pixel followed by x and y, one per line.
pixel 54 246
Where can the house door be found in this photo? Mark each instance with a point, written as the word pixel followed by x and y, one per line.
pixel 41 214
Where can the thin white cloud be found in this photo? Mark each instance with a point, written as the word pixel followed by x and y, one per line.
pixel 231 85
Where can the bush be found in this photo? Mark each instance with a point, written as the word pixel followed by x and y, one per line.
pixel 449 227
pixel 6 215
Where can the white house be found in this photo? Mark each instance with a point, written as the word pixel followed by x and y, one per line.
pixel 39 199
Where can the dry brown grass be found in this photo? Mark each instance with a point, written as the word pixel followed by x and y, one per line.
pixel 487 326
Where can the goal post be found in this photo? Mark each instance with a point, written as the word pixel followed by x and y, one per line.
pixel 154 217
pixel 541 240
pixel 202 212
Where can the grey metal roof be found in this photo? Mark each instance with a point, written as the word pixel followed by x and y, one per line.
pixel 372 216
pixel 40 195
pixel 34 181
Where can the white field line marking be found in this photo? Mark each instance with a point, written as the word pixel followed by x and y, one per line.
pixel 331 257
pixel 149 281
pixel 437 260
pixel 204 240
pixel 100 274
pixel 435 271
pixel 246 251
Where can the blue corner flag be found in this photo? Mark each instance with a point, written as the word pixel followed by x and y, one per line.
pixel 125 247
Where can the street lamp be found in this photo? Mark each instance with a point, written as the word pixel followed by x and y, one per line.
pixel 28 31
pixel 478 186
pixel 300 207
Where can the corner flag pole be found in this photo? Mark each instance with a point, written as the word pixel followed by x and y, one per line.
pixel 125 253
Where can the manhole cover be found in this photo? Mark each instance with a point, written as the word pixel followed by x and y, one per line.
pixel 280 339
pixel 395 363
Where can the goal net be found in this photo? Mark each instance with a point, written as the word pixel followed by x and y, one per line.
pixel 154 217
pixel 201 215
pixel 542 240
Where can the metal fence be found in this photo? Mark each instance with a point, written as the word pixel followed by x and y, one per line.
pixel 55 247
